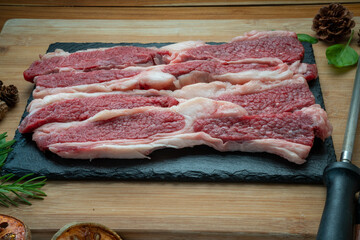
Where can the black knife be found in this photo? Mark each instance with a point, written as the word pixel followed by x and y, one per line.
pixel 342 180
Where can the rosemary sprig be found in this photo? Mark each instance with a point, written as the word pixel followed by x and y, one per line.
pixel 4 148
pixel 21 188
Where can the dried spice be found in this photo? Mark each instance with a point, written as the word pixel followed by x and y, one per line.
pixel 12 228
pixel 85 231
pixel 333 22
pixel 3 109
pixel 9 94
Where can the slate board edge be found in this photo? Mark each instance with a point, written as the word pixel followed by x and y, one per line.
pixel 241 176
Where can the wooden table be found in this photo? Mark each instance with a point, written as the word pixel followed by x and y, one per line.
pixel 164 210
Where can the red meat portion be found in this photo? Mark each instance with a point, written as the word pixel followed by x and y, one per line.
pixel 216 67
pixel 65 79
pixel 116 57
pixel 79 109
pixel 293 127
pixel 286 98
pixel 286 48
pixel 137 126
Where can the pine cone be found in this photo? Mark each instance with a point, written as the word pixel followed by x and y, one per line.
pixel 9 94
pixel 333 22
pixel 3 109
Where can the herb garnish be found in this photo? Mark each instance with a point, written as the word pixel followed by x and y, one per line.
pixel 341 55
pixel 20 188
pixel 306 38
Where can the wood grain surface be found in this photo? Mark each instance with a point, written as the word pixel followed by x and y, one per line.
pixel 62 10
pixel 151 3
pixel 164 210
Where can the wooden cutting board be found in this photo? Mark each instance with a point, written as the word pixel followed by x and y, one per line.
pixel 163 210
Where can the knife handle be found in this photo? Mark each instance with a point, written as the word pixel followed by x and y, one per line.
pixel 357 221
pixel 342 180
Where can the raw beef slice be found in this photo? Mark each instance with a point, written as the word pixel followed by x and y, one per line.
pixel 173 76
pixel 255 96
pixel 134 133
pixel 274 44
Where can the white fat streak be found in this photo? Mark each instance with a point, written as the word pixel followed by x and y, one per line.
pixel 293 152
pixel 177 49
pixel 50 99
pixel 260 34
pixel 41 92
pixel 207 90
pixel 155 78
pixel 60 52
pixel 192 78
pixel 183 46
pixel 242 77
pixel 200 107
pixel 217 88
pixel 264 60
pixel 56 53
pixel 246 76
pixel 299 68
pixel 132 149
pixel 320 120
pixel 128 149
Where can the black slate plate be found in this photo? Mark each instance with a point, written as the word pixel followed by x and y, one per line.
pixel 200 163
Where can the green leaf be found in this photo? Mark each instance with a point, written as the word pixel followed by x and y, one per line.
pixel 7 199
pixel 4 191
pixel 2 160
pixel 22 199
pixel 40 194
pixel 4 148
pixel 6 178
pixel 2 137
pixel 7 144
pixel 306 38
pixel 3 156
pixel 4 203
pixel 5 151
pixel 22 178
pixel 341 55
